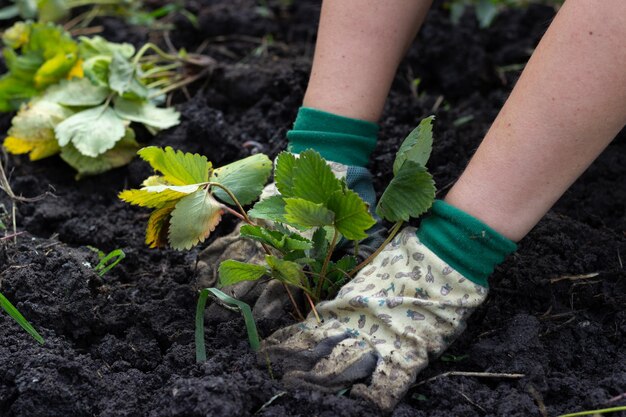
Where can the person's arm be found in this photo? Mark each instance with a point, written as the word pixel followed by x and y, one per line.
pixel 568 105
pixel 360 44
pixel 411 302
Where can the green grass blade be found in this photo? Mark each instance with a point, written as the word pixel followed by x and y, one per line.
pixel 253 335
pixel 594 412
pixel 104 266
pixel 17 316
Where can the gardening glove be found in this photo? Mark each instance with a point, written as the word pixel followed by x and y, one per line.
pixel 336 138
pixel 399 312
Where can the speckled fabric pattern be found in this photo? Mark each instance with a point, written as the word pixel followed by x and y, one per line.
pixel 405 307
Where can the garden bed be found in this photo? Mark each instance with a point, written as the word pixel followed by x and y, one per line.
pixel 123 344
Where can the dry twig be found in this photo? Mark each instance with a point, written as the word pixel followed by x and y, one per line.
pixel 473 374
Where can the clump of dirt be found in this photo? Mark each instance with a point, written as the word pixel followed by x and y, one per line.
pixel 122 344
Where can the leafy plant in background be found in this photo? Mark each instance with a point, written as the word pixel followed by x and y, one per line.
pixel 301 227
pixel 55 11
pixel 487 10
pixel 96 89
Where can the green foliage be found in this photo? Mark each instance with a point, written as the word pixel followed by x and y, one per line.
pixel 17 316
pixel 108 261
pixel 36 55
pixel 412 188
pixel 58 10
pixel 229 302
pixel 188 206
pixel 487 10
pixel 299 229
pixel 87 117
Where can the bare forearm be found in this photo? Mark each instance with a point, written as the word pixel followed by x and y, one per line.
pixel 359 47
pixel 567 106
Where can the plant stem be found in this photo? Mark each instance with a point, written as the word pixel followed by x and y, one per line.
pixel 392 233
pixel 594 412
pixel 180 84
pixel 157 71
pixel 329 254
pixel 293 301
pixel 232 197
pixel 312 304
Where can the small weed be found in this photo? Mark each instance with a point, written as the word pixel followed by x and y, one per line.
pixel 19 318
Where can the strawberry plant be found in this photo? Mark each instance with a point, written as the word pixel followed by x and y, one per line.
pixel 302 226
pixel 60 10
pixel 85 114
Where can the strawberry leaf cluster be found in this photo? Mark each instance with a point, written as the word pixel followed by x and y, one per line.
pixel 91 99
pixel 300 228
pixel 188 197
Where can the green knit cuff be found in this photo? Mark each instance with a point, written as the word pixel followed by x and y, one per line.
pixel 337 138
pixel 464 242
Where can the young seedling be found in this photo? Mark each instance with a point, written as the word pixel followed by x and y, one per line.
pixel 17 316
pixel 228 302
pixel 107 261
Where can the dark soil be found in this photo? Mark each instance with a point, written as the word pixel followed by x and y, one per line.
pixel 122 345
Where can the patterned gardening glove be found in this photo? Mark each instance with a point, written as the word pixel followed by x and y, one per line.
pixel 269 298
pixel 403 309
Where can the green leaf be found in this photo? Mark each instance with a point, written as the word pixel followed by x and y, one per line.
pixel 313 179
pixel 283 173
pixel 338 271
pixel 244 178
pixel 271 208
pixel 246 312
pixel 146 113
pixel 410 194
pixel 52 10
pixel 14 92
pixel 276 239
pixel 122 153
pixel 9 12
pixel 303 213
pixel 486 11
pixel 193 219
pixel 178 168
pixel 286 271
pixel 76 92
pixel 96 69
pixel 17 316
pixel 417 146
pixel 93 131
pixel 320 244
pixel 98 46
pixel 352 217
pixel 232 272
pixel 295 242
pixel 123 79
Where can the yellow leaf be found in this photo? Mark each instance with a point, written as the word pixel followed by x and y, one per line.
pixel 76 71
pixel 158 226
pixel 152 199
pixel 38 149
pixel 177 167
pixel 17 146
